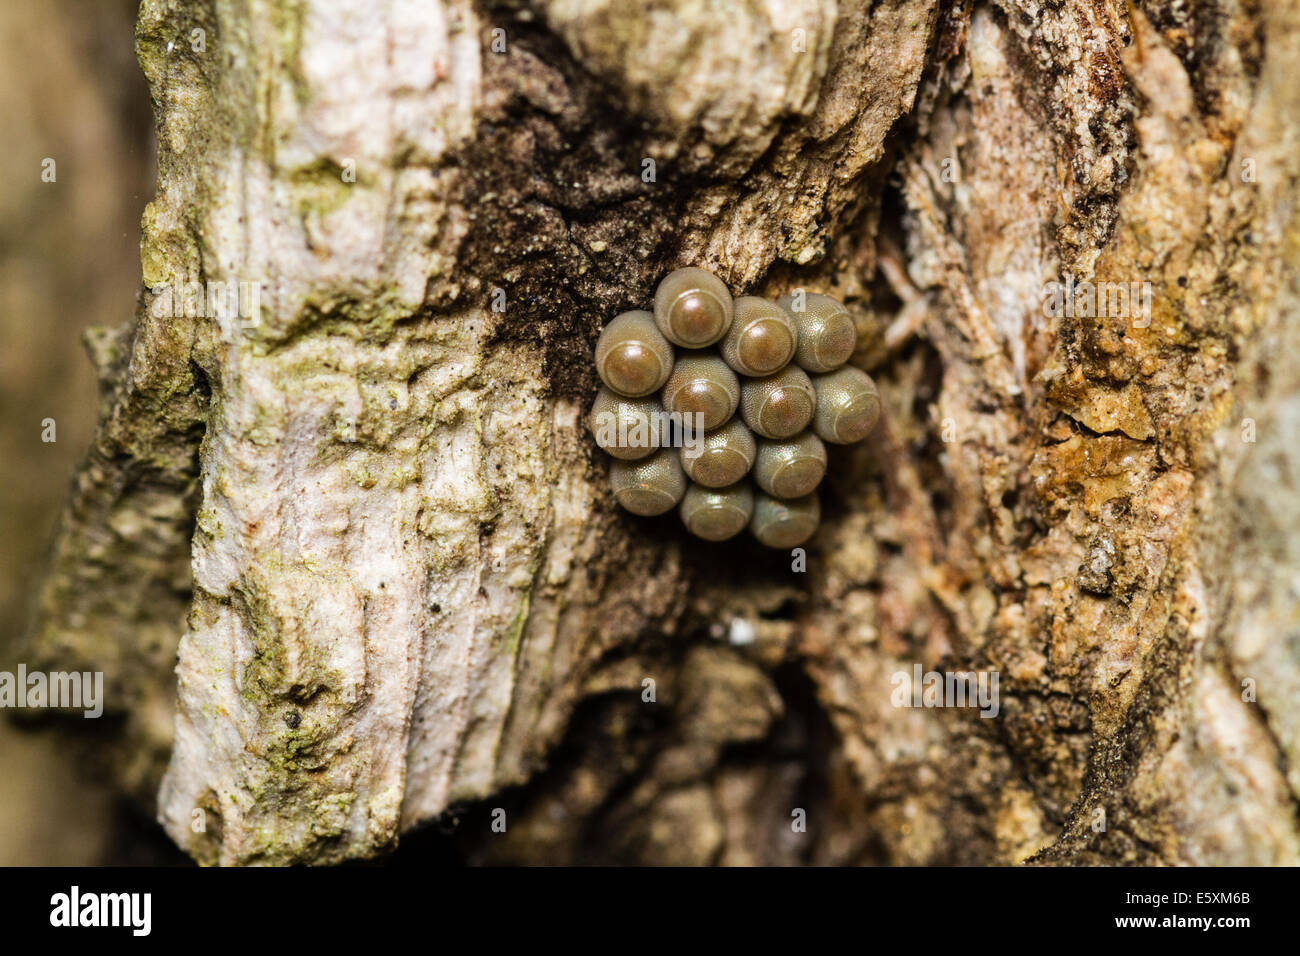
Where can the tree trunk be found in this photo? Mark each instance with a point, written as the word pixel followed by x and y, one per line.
pixel 364 522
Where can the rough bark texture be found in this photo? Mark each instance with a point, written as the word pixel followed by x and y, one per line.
pixel 371 534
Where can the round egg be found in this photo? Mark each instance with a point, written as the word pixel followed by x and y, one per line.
pixel 693 308
pixel 826 332
pixel 716 514
pixel 790 468
pixel 723 457
pixel 848 405
pixel 632 356
pixel 627 428
pixel 779 406
pixel 650 486
pixel 782 523
pixel 762 337
pixel 702 384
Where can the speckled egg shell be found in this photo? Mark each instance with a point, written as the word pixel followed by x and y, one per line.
pixel 693 308
pixel 701 383
pixel 827 334
pixel 725 455
pixel 716 514
pixel 778 406
pixel 781 523
pixel 762 338
pixel 848 405
pixel 791 468
pixel 632 356
pixel 626 428
pixel 651 486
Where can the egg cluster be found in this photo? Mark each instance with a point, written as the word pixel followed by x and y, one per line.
pixel 780 364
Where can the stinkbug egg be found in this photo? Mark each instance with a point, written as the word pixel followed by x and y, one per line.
pixel 780 405
pixel 702 465
pixel 826 333
pixel 632 355
pixel 792 468
pixel 785 523
pixel 693 308
pixel 702 384
pixel 848 405
pixel 716 514
pixel 627 428
pixel 762 337
pixel 723 457
pixel 651 486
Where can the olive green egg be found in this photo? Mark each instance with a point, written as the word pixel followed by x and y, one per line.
pixel 702 384
pixel 627 428
pixel 848 405
pixel 778 406
pixel 762 337
pixel 722 457
pixel 650 486
pixel 791 468
pixel 693 308
pixel 827 335
pixel 716 514
pixel 632 356
pixel 784 523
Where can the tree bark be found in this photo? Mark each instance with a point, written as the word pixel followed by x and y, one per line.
pixel 368 529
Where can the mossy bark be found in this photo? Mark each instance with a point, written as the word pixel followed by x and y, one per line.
pixel 368 525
